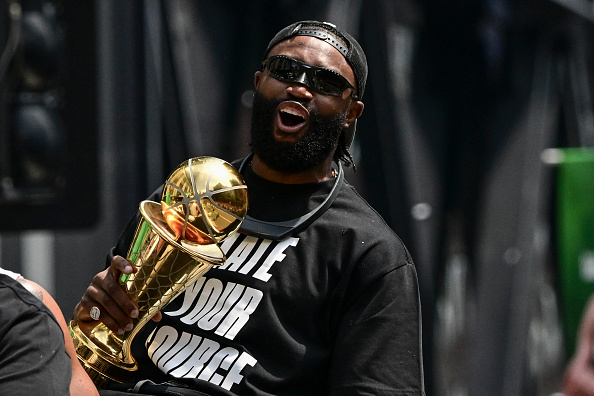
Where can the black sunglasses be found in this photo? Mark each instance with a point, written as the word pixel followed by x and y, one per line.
pixel 326 81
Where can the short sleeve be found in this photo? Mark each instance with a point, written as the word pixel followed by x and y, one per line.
pixel 378 346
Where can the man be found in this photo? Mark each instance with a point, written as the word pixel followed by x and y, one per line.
pixel 36 351
pixel 318 296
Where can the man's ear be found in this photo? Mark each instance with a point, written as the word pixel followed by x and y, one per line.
pixel 257 79
pixel 354 112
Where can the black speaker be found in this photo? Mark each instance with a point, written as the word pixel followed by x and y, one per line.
pixel 48 115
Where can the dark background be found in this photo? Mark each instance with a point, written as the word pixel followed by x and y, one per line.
pixel 101 99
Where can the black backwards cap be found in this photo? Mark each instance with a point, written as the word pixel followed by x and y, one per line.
pixel 328 32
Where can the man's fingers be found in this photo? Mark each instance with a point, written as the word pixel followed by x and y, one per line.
pixel 109 296
pixel 115 289
pixel 106 293
pixel 117 306
pixel 120 265
pixel 114 292
pixel 110 311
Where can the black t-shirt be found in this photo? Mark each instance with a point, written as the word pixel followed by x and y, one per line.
pixel 332 310
pixel 33 358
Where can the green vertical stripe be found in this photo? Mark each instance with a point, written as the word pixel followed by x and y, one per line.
pixel 575 234
pixel 144 229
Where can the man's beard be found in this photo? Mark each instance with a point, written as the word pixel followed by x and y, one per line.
pixel 312 149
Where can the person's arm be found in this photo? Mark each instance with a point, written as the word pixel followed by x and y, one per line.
pixel 579 375
pixel 80 383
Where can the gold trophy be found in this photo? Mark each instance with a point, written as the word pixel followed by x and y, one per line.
pixel 204 201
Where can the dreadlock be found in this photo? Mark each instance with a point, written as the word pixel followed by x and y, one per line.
pixel 343 154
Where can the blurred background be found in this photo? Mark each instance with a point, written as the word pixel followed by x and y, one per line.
pixel 474 146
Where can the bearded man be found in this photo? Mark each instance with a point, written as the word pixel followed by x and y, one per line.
pixel 318 296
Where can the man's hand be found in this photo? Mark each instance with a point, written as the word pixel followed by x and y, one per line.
pixel 106 293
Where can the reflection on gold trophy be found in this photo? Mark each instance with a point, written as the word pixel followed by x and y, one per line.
pixel 204 201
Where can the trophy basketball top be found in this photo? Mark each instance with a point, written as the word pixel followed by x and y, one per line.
pixel 204 201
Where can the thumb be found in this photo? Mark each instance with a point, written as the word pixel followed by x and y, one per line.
pixel 158 316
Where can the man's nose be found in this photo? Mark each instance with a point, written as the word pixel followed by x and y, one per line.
pixel 300 87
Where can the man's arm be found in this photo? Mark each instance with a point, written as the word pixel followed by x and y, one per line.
pixel 80 383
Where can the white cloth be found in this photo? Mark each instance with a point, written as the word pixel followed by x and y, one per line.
pixel 13 275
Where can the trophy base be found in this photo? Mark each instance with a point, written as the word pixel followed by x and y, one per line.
pixel 101 366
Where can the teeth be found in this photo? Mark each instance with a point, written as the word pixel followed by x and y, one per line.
pixel 292 112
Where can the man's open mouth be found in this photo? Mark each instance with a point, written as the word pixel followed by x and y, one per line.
pixel 292 116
